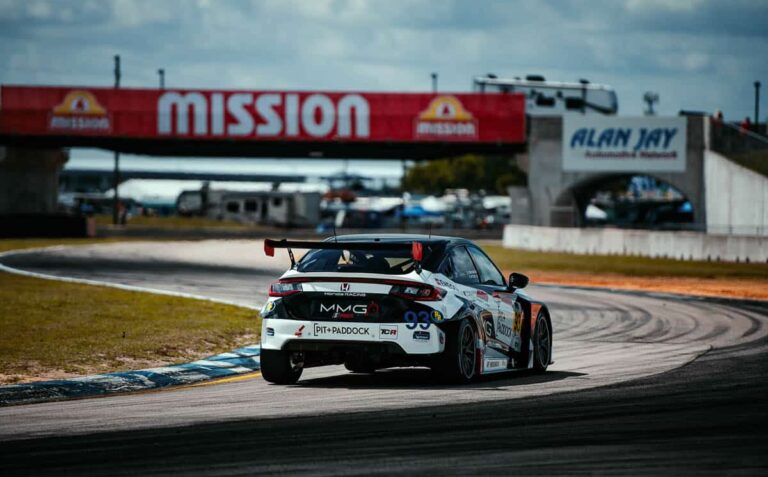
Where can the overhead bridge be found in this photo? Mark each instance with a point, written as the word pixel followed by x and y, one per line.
pixel 37 123
pixel 214 123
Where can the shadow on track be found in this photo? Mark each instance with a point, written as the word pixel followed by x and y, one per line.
pixel 651 426
pixel 420 378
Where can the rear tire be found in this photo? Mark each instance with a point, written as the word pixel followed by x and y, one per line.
pixel 458 363
pixel 281 367
pixel 542 345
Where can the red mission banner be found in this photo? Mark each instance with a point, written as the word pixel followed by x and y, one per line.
pixel 262 115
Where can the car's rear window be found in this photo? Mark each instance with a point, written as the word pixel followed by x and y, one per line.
pixel 390 262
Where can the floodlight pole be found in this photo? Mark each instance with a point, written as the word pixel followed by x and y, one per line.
pixel 757 107
pixel 434 82
pixel 116 173
pixel 161 73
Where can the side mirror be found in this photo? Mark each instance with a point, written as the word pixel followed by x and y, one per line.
pixel 517 280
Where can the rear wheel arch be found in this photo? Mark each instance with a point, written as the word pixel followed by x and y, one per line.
pixel 447 364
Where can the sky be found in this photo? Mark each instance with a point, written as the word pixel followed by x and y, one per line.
pixel 696 54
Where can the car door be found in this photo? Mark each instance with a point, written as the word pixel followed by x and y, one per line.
pixel 460 268
pixel 509 316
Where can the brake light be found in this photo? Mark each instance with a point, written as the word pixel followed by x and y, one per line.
pixel 284 288
pixel 418 292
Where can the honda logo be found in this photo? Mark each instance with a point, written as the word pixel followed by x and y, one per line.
pixel 345 287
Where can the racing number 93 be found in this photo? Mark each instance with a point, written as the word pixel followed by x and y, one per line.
pixel 414 319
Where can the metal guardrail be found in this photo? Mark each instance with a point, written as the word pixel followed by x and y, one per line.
pixel 731 140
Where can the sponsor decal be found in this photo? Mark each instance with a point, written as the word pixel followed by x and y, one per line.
pixel 481 294
pixel 517 343
pixel 489 326
pixel 349 311
pixel 348 294
pixel 299 332
pixel 79 111
pixel 437 317
pixel 644 144
pixel 492 363
pixel 256 116
pixel 263 115
pixel 421 335
pixel 388 332
pixel 373 309
pixel 518 318
pixel 270 332
pixel 342 330
pixel 414 319
pixel 503 328
pixel 445 283
pixel 344 287
pixel 269 306
pixel 446 117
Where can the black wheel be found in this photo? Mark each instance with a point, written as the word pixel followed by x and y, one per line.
pixel 281 367
pixel 542 345
pixel 458 363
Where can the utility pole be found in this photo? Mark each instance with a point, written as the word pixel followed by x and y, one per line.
pixel 757 108
pixel 584 84
pixel 161 73
pixel 434 82
pixel 116 173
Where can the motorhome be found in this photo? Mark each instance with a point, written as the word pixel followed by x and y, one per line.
pixel 553 98
pixel 289 209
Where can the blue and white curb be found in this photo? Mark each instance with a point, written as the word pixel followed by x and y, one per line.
pixel 239 361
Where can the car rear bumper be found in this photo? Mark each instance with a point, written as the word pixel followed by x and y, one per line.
pixel 423 339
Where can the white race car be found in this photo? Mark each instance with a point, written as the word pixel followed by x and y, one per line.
pixel 378 301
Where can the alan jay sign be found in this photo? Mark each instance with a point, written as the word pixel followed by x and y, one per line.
pixel 615 144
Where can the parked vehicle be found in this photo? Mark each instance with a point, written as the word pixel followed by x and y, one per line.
pixel 545 98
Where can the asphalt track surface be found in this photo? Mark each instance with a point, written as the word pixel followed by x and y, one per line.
pixel 641 385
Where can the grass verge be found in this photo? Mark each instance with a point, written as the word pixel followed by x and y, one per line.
pixel 51 329
pixel 516 259
pixel 754 160
pixel 734 280
pixel 173 222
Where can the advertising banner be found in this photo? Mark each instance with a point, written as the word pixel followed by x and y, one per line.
pixel 262 115
pixel 616 144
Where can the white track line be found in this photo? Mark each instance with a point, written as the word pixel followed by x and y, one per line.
pixel 85 281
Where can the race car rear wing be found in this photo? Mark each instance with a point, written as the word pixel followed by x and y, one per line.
pixel 416 248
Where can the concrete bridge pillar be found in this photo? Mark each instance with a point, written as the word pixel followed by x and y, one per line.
pixel 29 179
pixel 553 191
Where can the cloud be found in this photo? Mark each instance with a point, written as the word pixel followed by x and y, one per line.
pixel 701 54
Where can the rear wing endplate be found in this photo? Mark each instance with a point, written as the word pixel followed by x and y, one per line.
pixel 416 247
